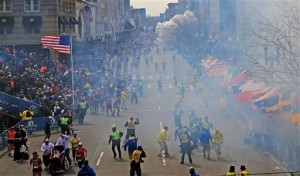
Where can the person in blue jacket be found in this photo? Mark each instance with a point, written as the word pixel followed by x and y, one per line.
pixel 131 143
pixel 193 172
pixel 86 170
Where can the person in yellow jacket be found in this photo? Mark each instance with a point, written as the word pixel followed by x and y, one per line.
pixel 217 140
pixel 162 140
pixel 74 141
pixel 231 171
pixel 124 96
pixel 135 165
pixel 244 171
pixel 26 114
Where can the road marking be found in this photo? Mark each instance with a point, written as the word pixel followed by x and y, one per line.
pixel 99 159
pixel 160 123
pixel 114 125
pixel 243 126
pixel 149 86
pixel 170 86
pixel 158 95
pixel 159 108
pixel 164 160
pixel 151 77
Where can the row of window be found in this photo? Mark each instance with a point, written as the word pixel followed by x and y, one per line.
pixel 35 29
pixel 29 5
pixel 34 6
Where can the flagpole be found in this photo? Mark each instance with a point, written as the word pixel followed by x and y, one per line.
pixel 73 87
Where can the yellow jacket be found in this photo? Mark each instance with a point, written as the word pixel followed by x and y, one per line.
pixel 217 137
pixel 162 136
pixel 124 95
pixel 24 115
pixel 244 173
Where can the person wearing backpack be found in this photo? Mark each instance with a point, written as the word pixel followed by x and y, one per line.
pixel 86 170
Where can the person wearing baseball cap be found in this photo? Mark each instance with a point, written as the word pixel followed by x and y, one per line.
pixel 81 154
pixel 36 162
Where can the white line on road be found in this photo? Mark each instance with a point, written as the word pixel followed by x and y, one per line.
pixel 159 108
pixel 158 95
pixel 160 123
pixel 243 126
pixel 99 159
pixel 170 86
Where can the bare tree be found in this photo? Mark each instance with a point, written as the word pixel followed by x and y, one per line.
pixel 282 33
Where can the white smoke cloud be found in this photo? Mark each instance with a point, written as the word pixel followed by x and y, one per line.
pixel 166 29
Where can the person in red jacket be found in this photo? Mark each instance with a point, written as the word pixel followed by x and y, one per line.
pixel 81 154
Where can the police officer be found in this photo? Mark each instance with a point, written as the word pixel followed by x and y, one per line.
pixel 130 124
pixel 115 139
pixel 185 145
pixel 83 106
pixel 135 165
pixel 177 115
pixel 24 138
pixel 63 121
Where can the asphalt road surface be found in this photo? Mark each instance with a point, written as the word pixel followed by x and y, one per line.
pixel 155 110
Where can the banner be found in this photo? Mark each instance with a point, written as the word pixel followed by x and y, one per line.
pixel 3 141
pixel 38 124
pixel 13 104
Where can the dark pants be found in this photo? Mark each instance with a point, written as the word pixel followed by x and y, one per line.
pixel 135 168
pixel 134 96
pixel 108 107
pixel 114 144
pixel 67 154
pixel 64 129
pixel 73 152
pixel 188 152
pixel 80 162
pixel 17 150
pixel 46 159
pixel 82 115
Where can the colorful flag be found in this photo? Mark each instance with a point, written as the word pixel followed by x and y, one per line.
pixel 57 43
pixel 86 13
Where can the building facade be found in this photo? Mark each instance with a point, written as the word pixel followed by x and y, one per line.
pixel 23 22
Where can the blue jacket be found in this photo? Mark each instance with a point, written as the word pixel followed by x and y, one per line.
pixel 132 144
pixel 195 175
pixel 86 170
pixel 205 136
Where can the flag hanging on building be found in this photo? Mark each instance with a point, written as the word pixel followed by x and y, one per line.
pixel 60 44
pixel 86 13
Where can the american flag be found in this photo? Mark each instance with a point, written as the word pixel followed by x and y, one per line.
pixel 86 13
pixel 57 43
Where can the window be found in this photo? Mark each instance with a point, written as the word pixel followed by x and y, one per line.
pixel 32 5
pixel 5 5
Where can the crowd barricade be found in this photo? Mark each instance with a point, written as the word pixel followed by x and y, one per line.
pixel 14 104
pixel 33 125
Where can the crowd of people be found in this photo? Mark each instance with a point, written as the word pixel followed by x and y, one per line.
pixel 101 89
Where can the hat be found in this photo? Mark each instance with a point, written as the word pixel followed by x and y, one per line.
pixel 140 147
pixel 22 126
pixel 74 134
pixel 79 143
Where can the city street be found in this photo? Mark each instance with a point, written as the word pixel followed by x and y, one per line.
pixel 155 111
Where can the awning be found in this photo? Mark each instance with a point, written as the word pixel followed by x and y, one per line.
pixel 32 20
pixel 73 20
pixel 63 20
pixel 6 20
pixel 128 25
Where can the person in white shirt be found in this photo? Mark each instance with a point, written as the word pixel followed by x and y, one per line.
pixel 64 141
pixel 46 150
